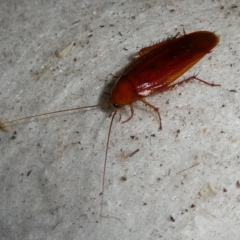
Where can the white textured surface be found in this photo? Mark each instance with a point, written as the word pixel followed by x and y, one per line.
pixel 50 175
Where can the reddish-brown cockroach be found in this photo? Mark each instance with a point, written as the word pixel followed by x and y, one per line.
pixel 154 71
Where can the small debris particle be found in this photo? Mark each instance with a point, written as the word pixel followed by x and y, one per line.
pixel 238 184
pixel 56 225
pixel 188 168
pixel 172 218
pixel 123 156
pixel 200 193
pixel 123 178
pixel 3 126
pixel 62 145
pixel 212 188
pixel 134 153
pixel 65 51
pixel 76 22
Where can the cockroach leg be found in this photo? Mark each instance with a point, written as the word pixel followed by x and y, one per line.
pixel 155 109
pixel 192 78
pixel 120 115
pixel 132 111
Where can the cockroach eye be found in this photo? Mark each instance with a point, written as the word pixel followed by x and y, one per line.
pixel 116 105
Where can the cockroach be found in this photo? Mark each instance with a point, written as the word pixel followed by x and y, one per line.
pixel 154 71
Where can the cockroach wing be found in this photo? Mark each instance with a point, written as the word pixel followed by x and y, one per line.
pixel 166 62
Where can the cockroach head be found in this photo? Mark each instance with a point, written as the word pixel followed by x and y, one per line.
pixel 123 93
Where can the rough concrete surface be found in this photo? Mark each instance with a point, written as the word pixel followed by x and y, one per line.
pixel 181 184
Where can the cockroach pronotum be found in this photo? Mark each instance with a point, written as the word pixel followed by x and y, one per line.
pixel 154 71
